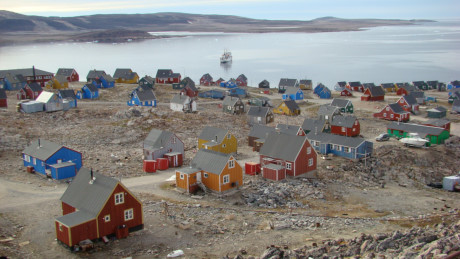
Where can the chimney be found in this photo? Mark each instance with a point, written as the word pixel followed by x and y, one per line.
pixel 33 71
pixel 216 138
pixel 39 143
pixel 92 178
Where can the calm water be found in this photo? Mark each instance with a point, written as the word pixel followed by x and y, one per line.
pixel 429 51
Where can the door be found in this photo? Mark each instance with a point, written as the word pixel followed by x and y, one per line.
pixel 198 177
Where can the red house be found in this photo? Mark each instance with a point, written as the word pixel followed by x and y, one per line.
pixel 347 125
pixel 355 86
pixel 242 80
pixel 440 123
pixel 96 206
pixel 409 104
pixel 69 73
pixel 345 92
pixel 3 98
pixel 373 93
pixel 206 80
pixel 166 76
pixel 30 91
pixel 393 112
pixel 291 153
pixel 405 89
pixel 220 80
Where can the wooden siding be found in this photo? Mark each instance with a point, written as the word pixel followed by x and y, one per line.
pixel 66 208
pixel 173 145
pixel 87 230
pixel 62 233
pixel 274 174
pixel 231 145
pixel 189 183
pixel 349 132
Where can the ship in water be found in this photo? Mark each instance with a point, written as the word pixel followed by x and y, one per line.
pixel 226 57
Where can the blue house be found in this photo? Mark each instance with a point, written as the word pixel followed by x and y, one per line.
pixel 348 147
pixel 453 85
pixel 293 93
pixel 88 91
pixel 14 82
pixel 229 84
pixel 107 81
pixel 322 91
pixel 214 94
pixel 238 92
pixel 68 98
pixel 51 159
pixel 143 98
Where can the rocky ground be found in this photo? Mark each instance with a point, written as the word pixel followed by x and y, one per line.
pixel 377 208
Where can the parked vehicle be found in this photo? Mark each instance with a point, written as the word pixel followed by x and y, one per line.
pixel 414 140
pixel 383 137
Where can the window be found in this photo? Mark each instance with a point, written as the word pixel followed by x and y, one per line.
pixel 129 214
pixel 226 179
pixel 231 163
pixel 119 198
pixel 224 145
pixel 34 161
pixel 384 114
pixel 346 149
pixel 205 175
pixel 392 115
pixel 308 150
pixel 107 218
pixel 337 147
pixel 288 166
pixel 27 158
pixel 388 108
pixel 343 129
pixel 182 176
pixel 229 136
pixel 60 227
pixel 310 162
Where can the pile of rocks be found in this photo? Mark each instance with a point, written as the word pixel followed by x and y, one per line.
pixel 259 192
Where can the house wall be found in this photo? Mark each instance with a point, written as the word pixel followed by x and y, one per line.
pixel 116 212
pixel 301 164
pixel 62 233
pixel 189 183
pixel 231 145
pixel 273 174
pixel 66 154
pixel 387 115
pixel 87 230
pixel 173 145
pixel 3 103
pixel 63 172
pixel 66 208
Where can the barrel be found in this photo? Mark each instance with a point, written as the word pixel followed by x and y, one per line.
pixel 150 166
pixel 163 163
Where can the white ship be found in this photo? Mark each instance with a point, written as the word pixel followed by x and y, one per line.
pixel 226 57
pixel 414 140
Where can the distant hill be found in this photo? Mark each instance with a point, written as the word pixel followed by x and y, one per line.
pixel 14 24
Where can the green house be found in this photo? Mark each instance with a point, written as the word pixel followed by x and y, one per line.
pixel 344 105
pixel 433 134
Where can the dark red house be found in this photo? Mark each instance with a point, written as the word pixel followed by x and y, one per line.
pixel 30 91
pixel 206 80
pixel 345 92
pixel 166 76
pixel 440 123
pixel 220 80
pixel 405 88
pixel 291 152
pixel 393 112
pixel 373 93
pixel 70 74
pixel 345 125
pixel 355 86
pixel 96 206
pixel 242 80
pixel 3 98
pixel 409 104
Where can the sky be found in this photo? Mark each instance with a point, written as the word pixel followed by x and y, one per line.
pixel 257 9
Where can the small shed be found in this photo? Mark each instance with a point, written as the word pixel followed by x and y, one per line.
pixel 437 112
pixel 305 84
pixel 242 80
pixel 188 179
pixel 32 106
pixel 373 93
pixel 345 106
pixel 51 101
pixel 339 86
pixel 345 92
pixel 175 159
pixel 206 80
pixel 181 102
pixel 287 82
pixel 274 172
pixel 68 96
pixel 449 182
pixel 260 115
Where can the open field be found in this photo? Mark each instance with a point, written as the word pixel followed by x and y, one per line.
pixel 384 194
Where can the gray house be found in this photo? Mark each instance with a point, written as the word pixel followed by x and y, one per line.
pixel 327 112
pixel 233 105
pixel 159 142
pixel 260 115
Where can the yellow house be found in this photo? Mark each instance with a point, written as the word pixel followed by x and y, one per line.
pixel 218 140
pixel 57 82
pixel 290 108
pixel 126 76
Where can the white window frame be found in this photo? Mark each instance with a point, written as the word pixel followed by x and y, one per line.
pixel 205 175
pixel 226 179
pixel 181 176
pixel 343 129
pixel 224 145
pixel 392 115
pixel 346 149
pixel 231 164
pixel 289 166
pixel 308 150
pixel 119 198
pixel 34 161
pixel 27 158
pixel 129 214
pixel 60 227
pixel 107 218
pixel 310 162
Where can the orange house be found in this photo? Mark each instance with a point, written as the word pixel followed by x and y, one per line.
pixel 217 171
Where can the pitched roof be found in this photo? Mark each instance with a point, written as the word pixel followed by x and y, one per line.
pixel 210 161
pixel 438 109
pixel 29 72
pixel 419 83
pixel 149 79
pixel 264 83
pixel 45 96
pixel 92 88
pixel 108 78
pixel 292 90
pixel 341 103
pixel 417 94
pixel 242 77
pixel 67 93
pixel 355 84
pixel 305 82
pixel 35 87
pixel 456 103
pixel 61 78
pixel 230 101
pixel 260 131
pixel 343 121
pixel 42 149
pixel 292 105
pixel 432 83
pixel 437 122
pixel 406 86
pixel 283 146
pixel 396 108
pixel 146 95
pixel 288 82
pixel 65 71
pixel 164 73
pixel 341 84
pixel 387 85
pixel 95 73
pixel 16 78
pixel 456 82
pixel 410 99
pixel 422 130
pixel 376 91
pixel 327 109
pixel 288 129
pixel 310 124
pixel 122 72
pixel 180 99
pixel 327 138
pixel 88 197
pixel 156 139
pixel 367 85
pixel 258 111
pixel 210 133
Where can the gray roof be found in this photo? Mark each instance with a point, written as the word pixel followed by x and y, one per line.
pixel 67 93
pixel 164 73
pixel 108 78
pixel 63 164
pixel 396 108
pixel 327 109
pixel 24 71
pixel 92 88
pixel 422 130
pixel 88 197
pixel 292 105
pixel 180 99
pixel 367 85
pixel 210 161
pixel 292 90
pixel 14 79
pixel 187 170
pixel 439 109
pixel 417 94
pixel 122 72
pixel 156 139
pixel 42 151
pixel 334 139
pixel 305 82
pixel 282 146
pixel 65 71
pixel 341 84
pixel 242 77
pixel 354 84
pixel 146 95
pixel 3 94
pixel 310 124
pixel 274 166
pixel 376 90
pixel 230 101
pixel 288 129
pixel 149 79
pixel 260 131
pixel 406 86
pixel 258 111
pixel 387 85
pixel 75 218
pixel 95 74
pixel 343 121
pixel 437 122
pixel 410 99
pixel 35 87
pixel 210 133
pixel 285 82
pixel 341 103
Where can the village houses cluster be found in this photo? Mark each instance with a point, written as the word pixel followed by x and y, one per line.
pixel 95 206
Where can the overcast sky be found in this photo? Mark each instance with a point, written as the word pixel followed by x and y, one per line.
pixel 259 9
